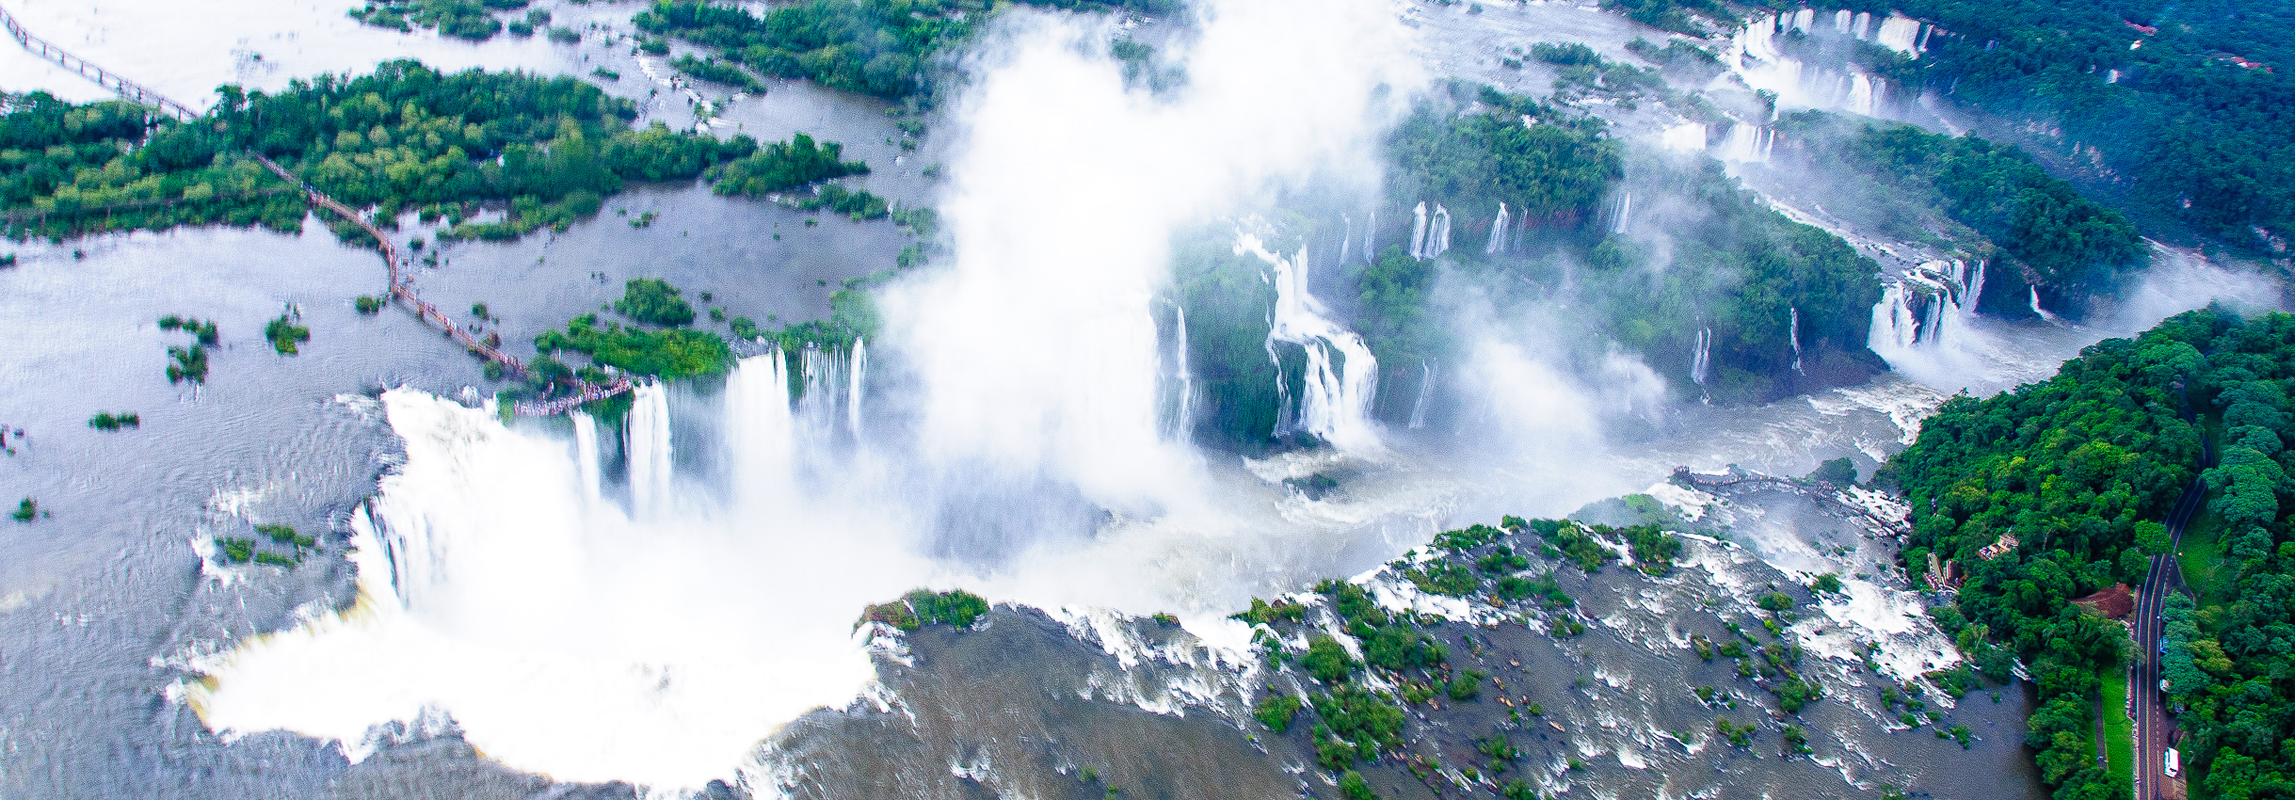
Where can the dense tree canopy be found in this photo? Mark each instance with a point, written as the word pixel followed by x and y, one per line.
pixel 404 137
pixel 2037 228
pixel 886 48
pixel 2080 470
pixel 2194 120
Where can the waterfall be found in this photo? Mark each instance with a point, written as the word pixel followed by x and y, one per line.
pixel 1438 232
pixel 586 454
pixel 2042 313
pixel 1625 211
pixel 1370 234
pixel 1497 232
pixel 1747 143
pixel 1182 417
pixel 1346 236
pixel 1794 330
pixel 1864 93
pixel 1900 34
pixel 1418 231
pixel 858 367
pixel 1927 308
pixel 1425 393
pixel 761 430
pixel 1701 359
pixel 1804 19
pixel 1335 394
pixel 649 455
pixel 1841 20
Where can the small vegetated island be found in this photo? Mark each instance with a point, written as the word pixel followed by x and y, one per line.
pixel 898 50
pixel 2056 490
pixel 406 137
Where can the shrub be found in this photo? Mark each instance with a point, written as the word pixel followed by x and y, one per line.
pixel 1328 661
pixel 957 608
pixel 108 421
pixel 285 334
pixel 1276 711
pixel 654 301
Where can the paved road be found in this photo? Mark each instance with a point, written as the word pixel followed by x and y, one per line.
pixel 2152 726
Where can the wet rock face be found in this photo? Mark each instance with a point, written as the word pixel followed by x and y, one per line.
pixel 1673 684
pixel 1018 706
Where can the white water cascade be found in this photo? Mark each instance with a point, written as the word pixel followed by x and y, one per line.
pixel 1625 212
pixel 1335 395
pixel 1418 231
pixel 1747 143
pixel 1182 414
pixel 586 455
pixel 1438 232
pixel 1763 65
pixel 1929 307
pixel 649 451
pixel 1793 329
pixel 859 369
pixel 2037 311
pixel 1425 394
pixel 1701 357
pixel 1346 237
pixel 1370 238
pixel 761 431
pixel 1497 232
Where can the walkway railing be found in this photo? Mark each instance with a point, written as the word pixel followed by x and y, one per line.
pixel 126 88
pixel 401 285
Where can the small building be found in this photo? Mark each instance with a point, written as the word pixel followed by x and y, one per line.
pixel 1999 547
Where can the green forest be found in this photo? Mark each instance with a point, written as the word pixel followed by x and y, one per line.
pixel 2037 229
pixel 404 137
pixel 893 49
pixel 2188 135
pixel 2081 470
pixel 1737 267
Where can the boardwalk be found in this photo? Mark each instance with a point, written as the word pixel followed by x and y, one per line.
pixel 131 90
pixel 401 284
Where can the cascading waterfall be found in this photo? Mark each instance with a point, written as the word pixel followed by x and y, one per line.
pixel 1625 212
pixel 1335 395
pixel 1370 237
pixel 825 403
pixel 1425 394
pixel 1701 358
pixel 1418 231
pixel 1901 34
pixel 1763 65
pixel 1438 233
pixel 649 453
pixel 2037 311
pixel 858 368
pixel 1747 143
pixel 586 455
pixel 1497 232
pixel 1864 93
pixel 761 430
pixel 1182 412
pixel 1346 236
pixel 1926 310
pixel 1793 329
